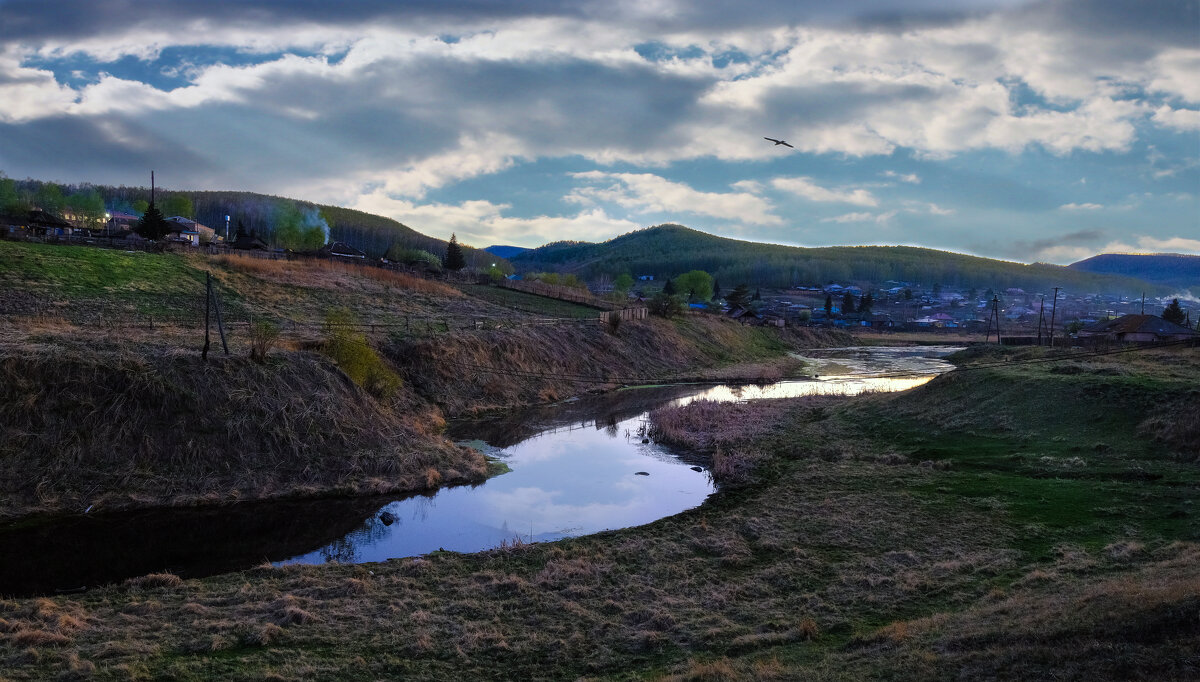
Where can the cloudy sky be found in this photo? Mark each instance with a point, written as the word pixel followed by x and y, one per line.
pixel 1022 130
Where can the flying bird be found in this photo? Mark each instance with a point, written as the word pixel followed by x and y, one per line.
pixel 779 142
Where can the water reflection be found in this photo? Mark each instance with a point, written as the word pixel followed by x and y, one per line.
pixel 579 473
pixel 576 469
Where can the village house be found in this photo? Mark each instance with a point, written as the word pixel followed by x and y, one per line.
pixel 1137 329
pixel 186 230
pixel 341 250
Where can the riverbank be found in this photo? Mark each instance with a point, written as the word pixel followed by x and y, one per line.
pixel 95 424
pixel 1012 522
pixel 113 426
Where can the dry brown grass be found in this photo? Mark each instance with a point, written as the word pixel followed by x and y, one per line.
pixel 160 426
pixel 316 272
pixel 155 580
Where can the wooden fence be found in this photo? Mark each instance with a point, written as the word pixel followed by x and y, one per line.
pixel 580 296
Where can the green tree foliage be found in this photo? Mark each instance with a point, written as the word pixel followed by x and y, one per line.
pixel 1173 312
pixel 297 229
pixel 49 197
pixel 908 295
pixel 140 206
pixel 11 201
pixel 697 284
pixel 349 348
pixel 152 224
pixel 847 303
pixel 623 283
pixel 454 259
pixel 178 205
pixel 739 297
pixel 400 254
pixel 666 305
pixel 86 207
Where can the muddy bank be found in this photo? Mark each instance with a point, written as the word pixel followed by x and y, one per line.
pixel 486 370
pixel 119 426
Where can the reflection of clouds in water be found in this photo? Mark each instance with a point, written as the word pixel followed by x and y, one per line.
pixel 579 478
pixel 549 508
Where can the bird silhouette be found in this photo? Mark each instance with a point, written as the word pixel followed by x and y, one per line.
pixel 779 142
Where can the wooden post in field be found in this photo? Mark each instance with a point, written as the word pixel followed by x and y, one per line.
pixel 207 305
pixel 220 323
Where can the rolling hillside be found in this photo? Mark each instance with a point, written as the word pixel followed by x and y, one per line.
pixel 257 213
pixel 669 250
pixel 1173 269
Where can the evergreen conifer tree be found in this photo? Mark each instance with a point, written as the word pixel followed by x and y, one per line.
pixel 1173 312
pixel 847 303
pixel 454 259
pixel 739 297
pixel 669 289
pixel 716 289
pixel 152 224
pixel 828 304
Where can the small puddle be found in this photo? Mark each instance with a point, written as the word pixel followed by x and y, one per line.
pixel 578 467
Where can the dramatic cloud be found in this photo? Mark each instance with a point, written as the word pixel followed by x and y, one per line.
pixel 519 115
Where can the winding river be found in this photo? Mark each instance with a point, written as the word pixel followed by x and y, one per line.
pixel 578 467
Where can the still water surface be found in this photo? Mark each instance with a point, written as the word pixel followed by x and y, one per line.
pixel 578 467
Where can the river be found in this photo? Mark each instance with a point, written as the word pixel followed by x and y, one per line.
pixel 577 467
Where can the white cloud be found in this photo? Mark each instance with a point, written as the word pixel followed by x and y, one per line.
pixel 1178 119
pixel 859 217
pixel 1081 207
pixel 649 193
pixel 483 223
pixel 1141 244
pixel 806 188
pixel 911 178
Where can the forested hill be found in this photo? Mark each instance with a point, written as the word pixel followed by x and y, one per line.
pixel 261 214
pixel 669 250
pixel 1165 268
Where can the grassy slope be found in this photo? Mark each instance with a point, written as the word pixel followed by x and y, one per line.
pixel 849 558
pixel 113 425
pixel 129 416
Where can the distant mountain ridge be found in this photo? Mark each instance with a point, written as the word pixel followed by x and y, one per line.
pixel 505 251
pixel 1176 269
pixel 670 250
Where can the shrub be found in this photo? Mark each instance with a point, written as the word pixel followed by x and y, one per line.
pixel 263 336
pixel 355 356
pixel 665 305
pixel 614 321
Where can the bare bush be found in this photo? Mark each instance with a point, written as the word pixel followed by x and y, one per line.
pixel 263 335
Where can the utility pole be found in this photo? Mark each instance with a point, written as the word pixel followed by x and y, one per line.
pixel 1041 320
pixel 994 318
pixel 152 187
pixel 1053 310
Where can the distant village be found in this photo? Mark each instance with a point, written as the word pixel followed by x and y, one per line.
pixel 1011 315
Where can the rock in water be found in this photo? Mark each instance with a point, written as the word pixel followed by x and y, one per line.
pixel 642 473
pixel 388 518
pixel 697 468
